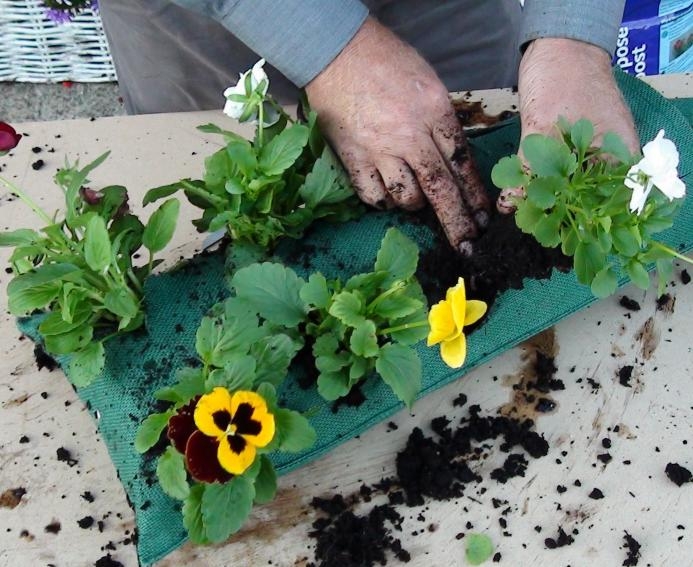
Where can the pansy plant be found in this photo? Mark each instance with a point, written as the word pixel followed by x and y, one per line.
pixel 363 325
pixel 79 267
pixel 601 205
pixel 275 185
pixel 225 420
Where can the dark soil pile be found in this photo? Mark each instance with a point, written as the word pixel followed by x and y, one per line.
pixel 503 256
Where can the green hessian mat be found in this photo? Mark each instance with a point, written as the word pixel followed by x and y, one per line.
pixel 138 364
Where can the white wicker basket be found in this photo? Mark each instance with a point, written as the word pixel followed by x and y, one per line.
pixel 35 49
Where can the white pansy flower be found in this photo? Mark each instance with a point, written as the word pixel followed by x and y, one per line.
pixel 235 109
pixel 657 168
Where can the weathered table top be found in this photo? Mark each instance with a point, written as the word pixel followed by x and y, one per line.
pixel 648 423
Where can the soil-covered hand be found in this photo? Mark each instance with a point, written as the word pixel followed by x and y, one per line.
pixel 573 79
pixel 391 121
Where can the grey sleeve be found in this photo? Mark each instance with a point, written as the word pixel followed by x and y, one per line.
pixel 591 21
pixel 298 37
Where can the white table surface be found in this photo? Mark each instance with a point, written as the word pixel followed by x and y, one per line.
pixel 655 417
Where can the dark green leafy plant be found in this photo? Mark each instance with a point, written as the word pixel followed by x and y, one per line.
pixel 365 324
pixel 243 360
pixel 596 203
pixel 275 185
pixel 80 267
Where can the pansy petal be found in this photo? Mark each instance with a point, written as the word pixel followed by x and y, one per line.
pixel 458 303
pixel 251 418
pixel 235 454
pixel 208 409
pixel 201 459
pixel 454 352
pixel 182 425
pixel 670 185
pixel 441 322
pixel 475 310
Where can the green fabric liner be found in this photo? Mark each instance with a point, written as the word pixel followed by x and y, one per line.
pixel 138 364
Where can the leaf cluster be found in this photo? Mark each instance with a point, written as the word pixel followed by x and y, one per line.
pixel 80 268
pixel 237 351
pixel 273 186
pixel 575 198
pixel 364 324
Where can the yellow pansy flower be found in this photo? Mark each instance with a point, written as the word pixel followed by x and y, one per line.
pixel 447 320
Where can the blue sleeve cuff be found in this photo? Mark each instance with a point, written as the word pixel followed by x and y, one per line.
pixel 591 21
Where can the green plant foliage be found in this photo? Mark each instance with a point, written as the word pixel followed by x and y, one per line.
pixel 276 185
pixel 80 268
pixel 357 327
pixel 575 198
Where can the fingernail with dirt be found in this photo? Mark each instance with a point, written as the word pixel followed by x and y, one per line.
pixel 465 247
pixel 481 218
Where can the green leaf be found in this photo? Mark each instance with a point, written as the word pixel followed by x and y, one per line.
pixel 71 341
pixel 527 216
pixel 638 274
pixel 547 230
pixel 478 548
pixel 626 240
pixel 150 430
pixel 273 291
pixel 190 382
pixel 272 356
pixel 97 244
pixel 283 150
pixel 326 183
pixel 86 364
pixel 541 191
pixel 265 482
pixel 396 306
pixel 121 302
pixel 315 292
pixel 192 514
pixel 508 173
pixel 214 129
pixel 569 240
pixel 55 324
pixel 161 225
pixel 19 237
pixel 398 256
pixel 605 282
pixel 24 301
pixel 207 337
pixel 170 470
pixel 269 392
pixel 665 269
pixel 243 155
pixel 364 341
pixel 226 507
pixel 295 431
pixel 366 284
pixel 358 369
pixel 589 259
pixel 414 334
pixel 400 368
pixel 548 157
pixel 581 134
pixel 239 373
pixel 333 385
pixel 348 308
pixel 161 192
pixel 613 144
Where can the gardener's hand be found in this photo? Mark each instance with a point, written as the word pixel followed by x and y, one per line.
pixel 389 118
pixel 570 78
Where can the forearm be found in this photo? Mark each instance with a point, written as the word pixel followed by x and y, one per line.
pixel 298 37
pixel 591 21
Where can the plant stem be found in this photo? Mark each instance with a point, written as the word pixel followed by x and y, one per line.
pixel 135 282
pixel 213 199
pixel 274 104
pixel 403 327
pixel 260 123
pixel 671 251
pixel 27 200
pixel 397 286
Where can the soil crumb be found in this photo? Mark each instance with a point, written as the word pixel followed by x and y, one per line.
pixel 561 540
pixel 629 303
pixel 678 474
pixel 43 359
pixel 107 561
pixel 12 497
pixel 624 375
pixel 53 528
pixel 632 551
pixel 65 456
